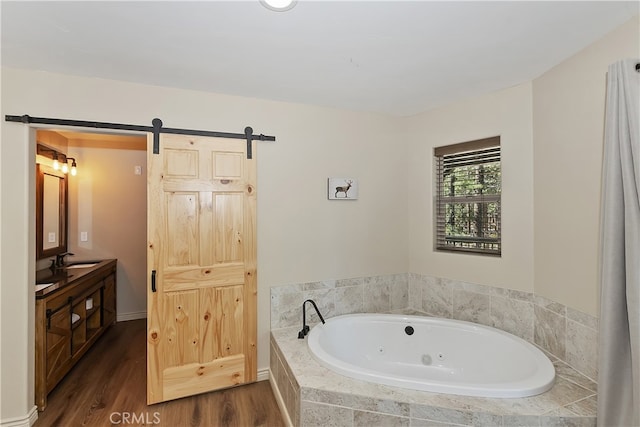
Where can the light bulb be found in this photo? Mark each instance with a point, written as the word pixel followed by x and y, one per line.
pixel 65 168
pixel 56 164
pixel 74 165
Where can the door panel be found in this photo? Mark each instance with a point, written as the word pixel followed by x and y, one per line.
pixel 181 329
pixel 202 317
pixel 182 225
pixel 229 230
pixel 187 380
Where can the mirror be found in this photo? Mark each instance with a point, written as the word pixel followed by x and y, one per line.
pixel 51 212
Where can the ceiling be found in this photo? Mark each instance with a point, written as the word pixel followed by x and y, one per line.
pixel 391 57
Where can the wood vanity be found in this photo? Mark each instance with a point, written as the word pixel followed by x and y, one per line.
pixel 71 314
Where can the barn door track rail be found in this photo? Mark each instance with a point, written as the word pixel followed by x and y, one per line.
pixel 155 128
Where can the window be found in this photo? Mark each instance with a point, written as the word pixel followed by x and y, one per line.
pixel 468 197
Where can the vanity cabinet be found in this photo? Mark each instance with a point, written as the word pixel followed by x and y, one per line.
pixel 71 315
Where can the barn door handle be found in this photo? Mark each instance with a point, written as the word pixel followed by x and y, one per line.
pixel 153 280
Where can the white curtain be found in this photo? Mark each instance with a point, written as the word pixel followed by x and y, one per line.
pixel 619 337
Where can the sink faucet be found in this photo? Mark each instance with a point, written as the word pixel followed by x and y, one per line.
pixel 305 327
pixel 60 258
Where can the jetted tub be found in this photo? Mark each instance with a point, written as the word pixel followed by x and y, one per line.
pixel 431 354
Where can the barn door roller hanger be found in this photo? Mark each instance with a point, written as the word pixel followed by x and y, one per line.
pixel 155 128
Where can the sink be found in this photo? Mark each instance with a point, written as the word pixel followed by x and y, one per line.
pixel 82 265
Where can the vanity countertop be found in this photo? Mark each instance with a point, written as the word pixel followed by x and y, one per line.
pixel 67 275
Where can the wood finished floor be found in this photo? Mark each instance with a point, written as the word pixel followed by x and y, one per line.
pixel 108 387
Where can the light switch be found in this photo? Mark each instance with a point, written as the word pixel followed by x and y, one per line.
pixel 52 237
pixel 84 236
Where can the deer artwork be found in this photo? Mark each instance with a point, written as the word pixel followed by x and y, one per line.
pixel 343 189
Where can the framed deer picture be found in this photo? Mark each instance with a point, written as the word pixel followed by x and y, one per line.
pixel 342 189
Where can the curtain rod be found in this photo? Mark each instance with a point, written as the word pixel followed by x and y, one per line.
pixel 155 128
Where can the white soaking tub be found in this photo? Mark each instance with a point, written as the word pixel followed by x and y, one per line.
pixel 431 354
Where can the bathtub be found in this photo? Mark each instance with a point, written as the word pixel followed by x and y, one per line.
pixel 431 354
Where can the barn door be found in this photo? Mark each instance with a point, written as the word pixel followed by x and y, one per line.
pixel 201 309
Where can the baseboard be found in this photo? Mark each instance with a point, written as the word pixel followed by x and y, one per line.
pixel 279 400
pixel 263 374
pixel 123 317
pixel 26 421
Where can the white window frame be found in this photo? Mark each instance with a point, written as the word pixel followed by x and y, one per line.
pixel 481 205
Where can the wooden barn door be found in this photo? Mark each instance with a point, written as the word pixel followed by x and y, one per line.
pixel 201 309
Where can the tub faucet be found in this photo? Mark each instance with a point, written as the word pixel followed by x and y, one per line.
pixel 305 327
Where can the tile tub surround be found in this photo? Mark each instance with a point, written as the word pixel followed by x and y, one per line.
pixel 567 334
pixel 315 396
pixel 377 294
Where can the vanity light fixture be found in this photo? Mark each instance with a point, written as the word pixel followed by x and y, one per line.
pixel 279 5
pixel 60 158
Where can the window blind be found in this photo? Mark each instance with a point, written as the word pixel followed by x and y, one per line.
pixel 468 192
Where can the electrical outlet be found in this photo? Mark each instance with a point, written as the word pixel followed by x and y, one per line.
pixel 52 237
pixel 137 170
pixel 84 236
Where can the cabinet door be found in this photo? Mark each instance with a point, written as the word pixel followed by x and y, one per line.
pixel 58 345
pixel 109 300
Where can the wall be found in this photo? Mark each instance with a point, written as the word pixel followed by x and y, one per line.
pixel 302 236
pixel 506 113
pixel 17 271
pixel 550 236
pixel 109 202
pixel 568 129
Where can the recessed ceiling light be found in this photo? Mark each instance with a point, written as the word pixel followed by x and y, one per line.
pixel 279 5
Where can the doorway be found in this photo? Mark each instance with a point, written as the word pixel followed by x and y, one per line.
pixel 105 219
